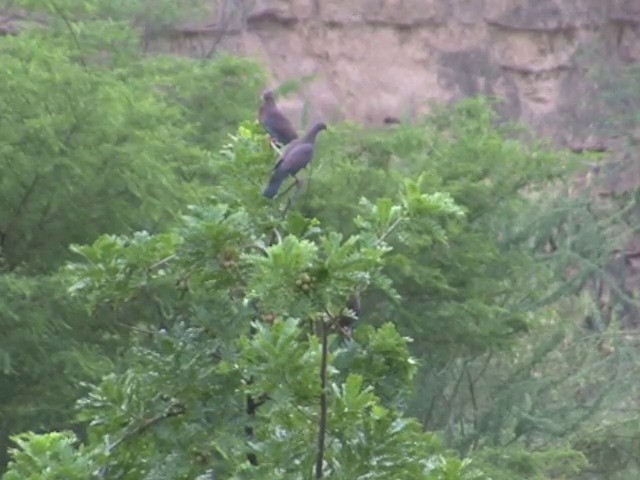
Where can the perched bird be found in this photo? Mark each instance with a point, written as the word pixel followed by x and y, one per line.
pixel 296 156
pixel 274 122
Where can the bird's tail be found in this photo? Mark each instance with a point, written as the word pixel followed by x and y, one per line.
pixel 273 187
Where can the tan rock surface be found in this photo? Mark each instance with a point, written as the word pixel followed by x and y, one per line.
pixel 376 58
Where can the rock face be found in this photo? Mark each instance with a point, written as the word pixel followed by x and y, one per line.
pixel 370 59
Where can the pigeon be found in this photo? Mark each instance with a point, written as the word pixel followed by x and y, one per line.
pixel 274 122
pixel 296 156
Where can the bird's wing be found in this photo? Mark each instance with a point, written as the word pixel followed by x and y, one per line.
pixel 286 151
pixel 278 125
pixel 297 158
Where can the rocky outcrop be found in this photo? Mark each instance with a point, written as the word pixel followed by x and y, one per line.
pixel 370 59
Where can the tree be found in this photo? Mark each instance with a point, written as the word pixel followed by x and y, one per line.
pixel 254 319
pixel 93 141
pixel 477 307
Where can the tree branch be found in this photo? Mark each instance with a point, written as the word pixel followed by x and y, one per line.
pixel 389 230
pixel 322 430
pixel 66 21
pixel 161 263
pixel 292 197
pixel 452 399
pixel 252 408
pixel 472 393
pixel 223 23
pixel 173 411
pixel 260 248
pixel 23 203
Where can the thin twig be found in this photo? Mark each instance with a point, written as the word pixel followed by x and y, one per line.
pixel 23 203
pixel 260 248
pixel 452 399
pixel 136 329
pixel 66 21
pixel 161 263
pixel 472 393
pixel 293 196
pixel 309 179
pixel 252 408
pixel 389 230
pixel 484 367
pixel 289 187
pixel 223 23
pixel 426 418
pixel 173 411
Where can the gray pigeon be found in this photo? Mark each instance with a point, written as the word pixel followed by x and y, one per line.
pixel 274 122
pixel 296 156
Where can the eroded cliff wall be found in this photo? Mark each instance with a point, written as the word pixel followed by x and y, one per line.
pixel 370 59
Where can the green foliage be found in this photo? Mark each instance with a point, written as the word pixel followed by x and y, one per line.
pixel 609 103
pixel 460 321
pixel 384 363
pixel 462 153
pixel 216 96
pixel 202 326
pixel 587 233
pixel 504 463
pixel 51 456
pixel 186 384
pixel 48 345
pixel 234 300
pixel 101 139
pixel 75 16
pixel 126 138
pixel 80 138
pixel 93 141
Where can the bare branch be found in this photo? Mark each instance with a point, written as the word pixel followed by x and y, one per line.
pixel 173 411
pixel 224 19
pixel 472 393
pixel 23 203
pixel 389 230
pixel 72 32
pixel 161 263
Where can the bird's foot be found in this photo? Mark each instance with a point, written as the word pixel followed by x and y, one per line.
pixel 276 147
pixel 347 332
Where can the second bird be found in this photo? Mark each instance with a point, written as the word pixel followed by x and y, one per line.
pixel 297 155
pixel 274 122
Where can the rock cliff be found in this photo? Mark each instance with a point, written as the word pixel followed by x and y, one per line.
pixel 370 59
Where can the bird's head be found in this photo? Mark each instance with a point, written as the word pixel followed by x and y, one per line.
pixel 268 96
pixel 313 131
